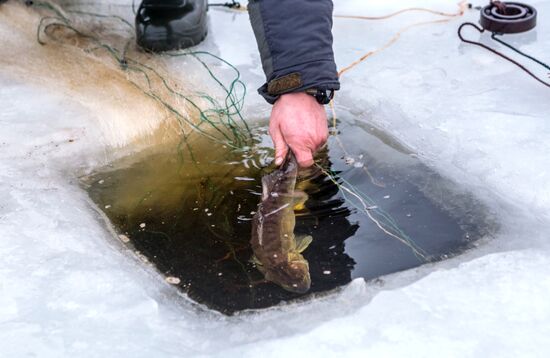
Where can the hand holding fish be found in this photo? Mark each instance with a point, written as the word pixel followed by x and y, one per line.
pixel 299 122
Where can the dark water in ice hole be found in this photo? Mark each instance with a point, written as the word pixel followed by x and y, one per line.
pixel 192 221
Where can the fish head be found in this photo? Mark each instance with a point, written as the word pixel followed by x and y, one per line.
pixel 292 275
pixel 281 181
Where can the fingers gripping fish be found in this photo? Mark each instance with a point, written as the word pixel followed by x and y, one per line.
pixel 277 252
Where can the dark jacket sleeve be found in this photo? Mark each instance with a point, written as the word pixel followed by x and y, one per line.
pixel 295 42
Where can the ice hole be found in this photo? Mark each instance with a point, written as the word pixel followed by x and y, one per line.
pixel 153 198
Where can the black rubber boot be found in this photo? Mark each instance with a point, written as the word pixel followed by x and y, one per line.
pixel 163 25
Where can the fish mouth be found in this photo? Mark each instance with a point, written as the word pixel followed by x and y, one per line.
pixel 291 277
pixel 302 287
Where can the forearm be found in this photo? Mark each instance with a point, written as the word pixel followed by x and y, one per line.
pixel 295 42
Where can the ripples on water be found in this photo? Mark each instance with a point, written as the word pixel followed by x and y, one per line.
pixel 192 220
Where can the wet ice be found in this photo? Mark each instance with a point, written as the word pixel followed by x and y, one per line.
pixel 63 280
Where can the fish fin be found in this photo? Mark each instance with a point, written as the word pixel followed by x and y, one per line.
pixel 299 200
pixel 255 260
pixel 302 242
pixel 259 266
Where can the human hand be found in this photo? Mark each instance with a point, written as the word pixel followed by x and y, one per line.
pixel 298 121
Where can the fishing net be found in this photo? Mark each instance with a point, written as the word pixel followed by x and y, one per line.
pixel 215 117
pixel 196 113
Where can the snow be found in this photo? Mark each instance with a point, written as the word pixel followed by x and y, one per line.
pixel 423 321
pixel 68 288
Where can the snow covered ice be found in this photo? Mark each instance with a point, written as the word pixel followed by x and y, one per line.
pixel 68 288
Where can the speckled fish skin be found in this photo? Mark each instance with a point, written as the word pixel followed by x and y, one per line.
pixel 273 240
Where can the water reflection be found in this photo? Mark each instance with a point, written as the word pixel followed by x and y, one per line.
pixel 192 218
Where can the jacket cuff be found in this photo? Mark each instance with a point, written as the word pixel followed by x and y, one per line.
pixel 320 74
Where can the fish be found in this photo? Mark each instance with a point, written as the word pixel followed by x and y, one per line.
pixel 277 251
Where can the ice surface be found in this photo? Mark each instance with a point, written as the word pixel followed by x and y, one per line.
pixel 68 289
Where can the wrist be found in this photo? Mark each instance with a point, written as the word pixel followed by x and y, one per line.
pixel 298 99
pixel 322 97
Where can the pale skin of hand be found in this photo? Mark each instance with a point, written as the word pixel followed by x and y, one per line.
pixel 298 122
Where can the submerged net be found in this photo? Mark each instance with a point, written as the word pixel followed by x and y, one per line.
pixel 382 219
